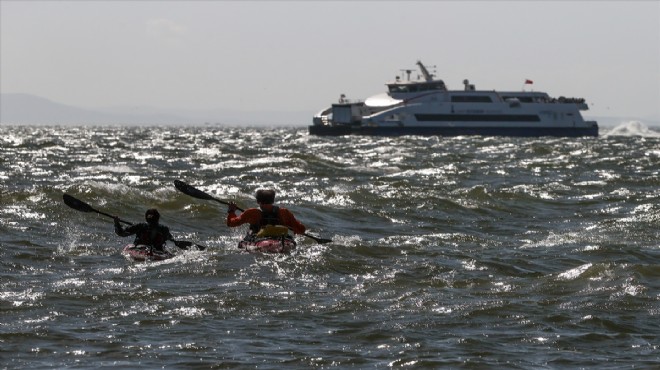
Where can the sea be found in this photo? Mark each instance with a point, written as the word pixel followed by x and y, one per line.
pixel 461 252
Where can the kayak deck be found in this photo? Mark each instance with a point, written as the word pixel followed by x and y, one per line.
pixel 142 253
pixel 268 245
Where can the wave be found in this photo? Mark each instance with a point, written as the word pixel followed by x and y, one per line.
pixel 632 128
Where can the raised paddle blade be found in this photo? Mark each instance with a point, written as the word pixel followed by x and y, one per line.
pixel 196 193
pixel 81 206
pixel 191 190
pixel 77 204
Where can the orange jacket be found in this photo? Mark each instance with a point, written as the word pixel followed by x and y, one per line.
pixel 252 216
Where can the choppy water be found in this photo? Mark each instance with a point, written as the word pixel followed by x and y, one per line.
pixel 465 252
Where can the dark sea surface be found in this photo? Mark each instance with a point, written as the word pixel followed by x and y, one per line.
pixel 457 253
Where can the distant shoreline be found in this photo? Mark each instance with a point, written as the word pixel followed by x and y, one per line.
pixel 26 109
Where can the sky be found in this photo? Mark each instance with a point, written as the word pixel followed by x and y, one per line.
pixel 301 55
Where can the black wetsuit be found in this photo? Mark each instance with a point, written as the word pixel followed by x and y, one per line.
pixel 145 234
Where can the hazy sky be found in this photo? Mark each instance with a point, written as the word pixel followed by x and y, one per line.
pixel 301 55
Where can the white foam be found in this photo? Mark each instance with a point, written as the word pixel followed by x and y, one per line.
pixel 632 128
pixel 573 274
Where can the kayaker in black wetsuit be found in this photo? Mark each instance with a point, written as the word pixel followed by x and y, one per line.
pixel 150 233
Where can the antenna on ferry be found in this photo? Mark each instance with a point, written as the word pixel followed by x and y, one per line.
pixel 408 72
pixel 427 76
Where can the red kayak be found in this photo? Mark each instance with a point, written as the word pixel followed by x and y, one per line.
pixel 145 253
pixel 268 245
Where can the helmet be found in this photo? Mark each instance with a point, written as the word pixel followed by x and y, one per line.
pixel 265 196
pixel 152 216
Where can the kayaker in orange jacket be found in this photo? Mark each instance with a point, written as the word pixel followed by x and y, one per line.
pixel 266 214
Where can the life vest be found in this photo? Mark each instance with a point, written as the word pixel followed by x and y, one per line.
pixel 271 217
pixel 272 231
pixel 154 237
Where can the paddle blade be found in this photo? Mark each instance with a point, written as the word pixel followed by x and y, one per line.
pixel 196 193
pixel 318 240
pixel 191 190
pixel 184 244
pixel 77 204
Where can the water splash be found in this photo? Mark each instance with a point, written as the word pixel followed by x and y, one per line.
pixel 632 128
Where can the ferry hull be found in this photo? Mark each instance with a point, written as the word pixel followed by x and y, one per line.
pixel 341 130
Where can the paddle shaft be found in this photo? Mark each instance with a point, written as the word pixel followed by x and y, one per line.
pixel 227 203
pixel 109 215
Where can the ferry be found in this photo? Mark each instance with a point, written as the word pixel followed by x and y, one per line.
pixel 424 106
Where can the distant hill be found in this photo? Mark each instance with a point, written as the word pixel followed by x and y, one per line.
pixel 30 109
pixel 25 109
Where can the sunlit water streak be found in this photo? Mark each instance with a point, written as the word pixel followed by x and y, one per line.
pixel 467 252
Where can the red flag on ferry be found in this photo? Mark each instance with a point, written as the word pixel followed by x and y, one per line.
pixel 529 82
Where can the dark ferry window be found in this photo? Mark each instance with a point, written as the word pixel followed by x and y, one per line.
pixel 430 87
pixel 522 99
pixel 471 99
pixel 398 89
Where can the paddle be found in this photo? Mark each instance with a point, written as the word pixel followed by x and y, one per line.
pixel 81 206
pixel 196 193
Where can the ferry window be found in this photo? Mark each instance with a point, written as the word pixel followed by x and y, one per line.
pixel 398 88
pixel 471 99
pixel 522 99
pixel 431 86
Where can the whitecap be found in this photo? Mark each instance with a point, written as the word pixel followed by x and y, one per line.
pixel 574 273
pixel 632 128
